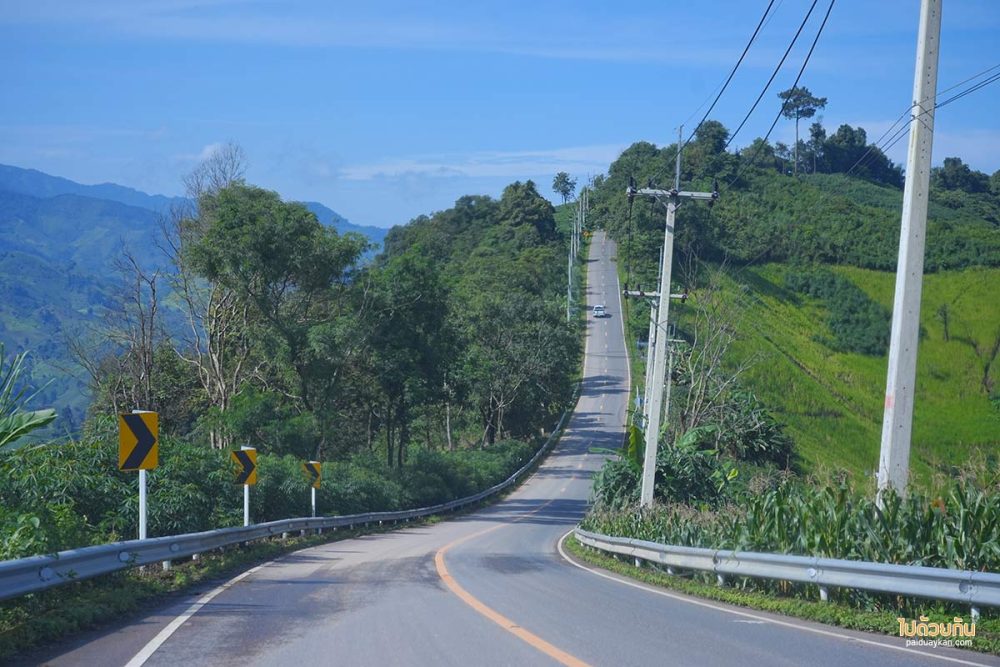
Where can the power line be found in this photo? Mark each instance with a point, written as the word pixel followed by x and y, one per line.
pixel 732 73
pixel 797 79
pixel 895 135
pixel 898 134
pixel 775 72
pixel 969 90
pixel 974 76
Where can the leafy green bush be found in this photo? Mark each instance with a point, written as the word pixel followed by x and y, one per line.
pixel 750 433
pixel 63 496
pixel 685 472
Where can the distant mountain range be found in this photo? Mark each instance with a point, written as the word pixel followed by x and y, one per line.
pixel 59 242
pixel 37 184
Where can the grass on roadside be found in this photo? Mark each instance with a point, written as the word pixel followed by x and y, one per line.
pixel 987 638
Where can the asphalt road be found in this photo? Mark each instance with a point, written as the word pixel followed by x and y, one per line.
pixel 489 588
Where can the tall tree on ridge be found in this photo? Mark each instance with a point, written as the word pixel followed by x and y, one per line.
pixel 564 185
pixel 799 103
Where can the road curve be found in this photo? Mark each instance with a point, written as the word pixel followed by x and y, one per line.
pixel 489 588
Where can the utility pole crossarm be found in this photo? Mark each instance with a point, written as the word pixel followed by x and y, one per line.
pixel 659 193
pixel 639 294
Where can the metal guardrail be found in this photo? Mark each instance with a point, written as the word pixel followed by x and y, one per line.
pixel 972 588
pixel 36 573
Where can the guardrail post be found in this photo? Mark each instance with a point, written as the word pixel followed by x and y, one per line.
pixel 284 535
pixel 824 594
pixel 195 557
pixel 974 612
pixel 166 566
pixel 671 571
pixel 638 562
pixel 720 580
pixel 302 533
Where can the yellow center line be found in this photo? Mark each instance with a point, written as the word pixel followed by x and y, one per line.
pixel 510 626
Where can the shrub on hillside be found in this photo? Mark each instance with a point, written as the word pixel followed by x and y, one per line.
pixel 858 323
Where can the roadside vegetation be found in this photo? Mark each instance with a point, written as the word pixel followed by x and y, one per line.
pixel 777 379
pixel 428 373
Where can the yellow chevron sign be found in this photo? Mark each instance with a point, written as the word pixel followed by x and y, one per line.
pixel 138 441
pixel 246 459
pixel 314 471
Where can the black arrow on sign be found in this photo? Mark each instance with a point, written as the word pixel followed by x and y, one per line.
pixel 248 466
pixel 312 469
pixel 144 441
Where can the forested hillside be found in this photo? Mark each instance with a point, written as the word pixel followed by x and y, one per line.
pixel 429 373
pixel 61 261
pixel 807 271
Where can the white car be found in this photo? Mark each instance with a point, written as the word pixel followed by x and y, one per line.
pixel 599 311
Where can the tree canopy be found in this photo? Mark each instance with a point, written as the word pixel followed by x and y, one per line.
pixel 563 185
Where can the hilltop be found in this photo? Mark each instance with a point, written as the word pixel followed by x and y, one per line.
pixel 810 261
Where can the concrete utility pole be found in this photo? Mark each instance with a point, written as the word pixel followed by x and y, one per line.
pixel 574 250
pixel 672 199
pixel 897 422
pixel 654 301
pixel 569 283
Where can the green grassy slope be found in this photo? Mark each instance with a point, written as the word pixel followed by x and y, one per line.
pixel 832 401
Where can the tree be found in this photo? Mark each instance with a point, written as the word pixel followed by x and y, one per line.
pixel 409 342
pixel 956 175
pixel 119 355
pixel 217 342
pixel 817 136
pixel 522 206
pixel 799 103
pixel 297 278
pixel 564 185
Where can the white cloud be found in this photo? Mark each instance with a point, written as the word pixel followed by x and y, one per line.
pixel 209 150
pixel 491 164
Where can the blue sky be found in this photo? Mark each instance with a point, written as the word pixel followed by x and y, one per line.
pixel 388 110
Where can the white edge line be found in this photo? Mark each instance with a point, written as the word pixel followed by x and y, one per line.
pixel 156 642
pixel 628 355
pixel 766 619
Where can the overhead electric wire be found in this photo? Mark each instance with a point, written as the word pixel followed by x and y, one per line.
pixel 775 72
pixel 797 79
pixel 732 72
pixel 767 86
pixel 969 90
pixel 895 135
pixel 885 145
pixel 964 81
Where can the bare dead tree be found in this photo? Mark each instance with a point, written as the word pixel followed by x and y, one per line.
pixel 217 342
pixel 118 354
pixel 703 363
pixel 227 165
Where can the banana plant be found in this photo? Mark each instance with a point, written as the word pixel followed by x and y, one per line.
pixel 15 420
